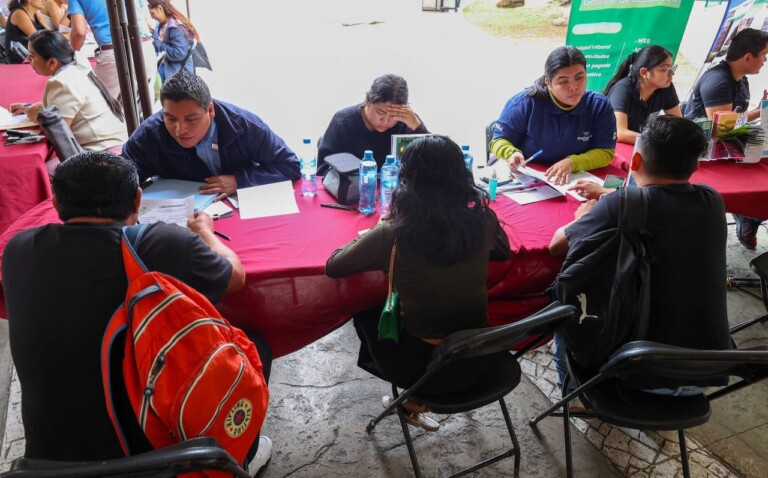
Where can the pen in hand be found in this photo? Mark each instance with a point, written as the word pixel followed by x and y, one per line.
pixel 19 109
pixel 222 235
pixel 533 156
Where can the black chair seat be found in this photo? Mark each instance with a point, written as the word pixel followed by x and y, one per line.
pixel 636 409
pixel 497 381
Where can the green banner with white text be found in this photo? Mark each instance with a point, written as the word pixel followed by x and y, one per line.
pixel 609 30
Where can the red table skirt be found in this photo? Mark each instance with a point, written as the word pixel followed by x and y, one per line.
pixel 23 176
pixel 743 187
pixel 288 298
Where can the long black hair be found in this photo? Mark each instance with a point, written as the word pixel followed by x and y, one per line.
pixel 649 57
pixel 561 57
pixel 52 44
pixel 437 211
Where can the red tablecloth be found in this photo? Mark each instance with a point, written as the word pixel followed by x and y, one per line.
pixel 23 177
pixel 289 299
pixel 744 187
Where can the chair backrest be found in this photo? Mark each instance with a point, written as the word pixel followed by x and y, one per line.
pixel 635 361
pixel 487 341
pixel 198 454
pixel 488 138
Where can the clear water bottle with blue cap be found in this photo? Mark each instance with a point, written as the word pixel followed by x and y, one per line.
pixel 468 159
pixel 389 177
pixel 367 185
pixel 308 165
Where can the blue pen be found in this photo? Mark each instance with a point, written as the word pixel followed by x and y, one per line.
pixel 534 156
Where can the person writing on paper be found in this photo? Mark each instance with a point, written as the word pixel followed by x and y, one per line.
pixel 95 118
pixel 197 138
pixel 174 36
pixel 725 87
pixel 24 20
pixel 642 86
pixel 371 124
pixel 575 128
pixel 445 234
pixel 687 296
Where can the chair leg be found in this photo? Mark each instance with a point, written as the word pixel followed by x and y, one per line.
pixel 683 454
pixel 515 443
pixel 407 436
pixel 748 323
pixel 567 432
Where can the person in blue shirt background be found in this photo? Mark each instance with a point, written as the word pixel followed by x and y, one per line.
pixel 575 128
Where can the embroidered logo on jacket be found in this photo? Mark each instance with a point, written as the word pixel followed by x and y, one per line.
pixel 586 136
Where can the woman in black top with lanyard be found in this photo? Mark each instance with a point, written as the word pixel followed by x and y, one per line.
pixel 23 21
pixel 642 86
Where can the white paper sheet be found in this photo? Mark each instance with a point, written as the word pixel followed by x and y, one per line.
pixel 7 120
pixel 170 211
pixel 268 200
pixel 563 189
pixel 541 193
pixel 217 208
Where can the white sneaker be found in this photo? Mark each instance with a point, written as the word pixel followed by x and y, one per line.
pixel 263 454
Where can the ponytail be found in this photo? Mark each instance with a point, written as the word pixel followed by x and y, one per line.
pixel 538 89
pixel 625 69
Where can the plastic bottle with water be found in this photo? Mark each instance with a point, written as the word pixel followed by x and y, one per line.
pixel 468 159
pixel 389 179
pixel 367 185
pixel 308 165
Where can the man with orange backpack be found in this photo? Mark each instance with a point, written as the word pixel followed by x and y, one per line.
pixel 63 282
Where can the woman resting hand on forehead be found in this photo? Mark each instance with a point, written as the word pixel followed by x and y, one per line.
pixel 575 129
pixel 371 124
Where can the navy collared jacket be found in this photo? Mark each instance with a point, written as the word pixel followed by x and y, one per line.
pixel 248 149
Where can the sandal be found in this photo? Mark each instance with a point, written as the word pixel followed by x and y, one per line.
pixel 420 420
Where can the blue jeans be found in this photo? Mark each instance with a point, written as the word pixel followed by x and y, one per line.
pixel 560 359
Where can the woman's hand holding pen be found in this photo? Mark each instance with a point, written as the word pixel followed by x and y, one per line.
pixel 516 160
pixel 18 108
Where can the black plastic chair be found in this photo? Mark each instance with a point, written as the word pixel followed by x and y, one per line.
pixel 759 266
pixel 498 381
pixel 489 158
pixel 613 402
pixel 194 455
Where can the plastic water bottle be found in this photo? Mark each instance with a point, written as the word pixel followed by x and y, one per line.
pixel 308 160
pixel 492 183
pixel 389 179
pixel 468 159
pixel 367 185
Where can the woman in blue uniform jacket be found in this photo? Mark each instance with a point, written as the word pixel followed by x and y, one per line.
pixel 575 128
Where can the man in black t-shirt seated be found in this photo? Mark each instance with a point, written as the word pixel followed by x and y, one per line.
pixel 687 223
pixel 725 87
pixel 62 284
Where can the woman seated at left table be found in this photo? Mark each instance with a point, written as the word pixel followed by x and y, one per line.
pixel 24 20
pixel 96 119
pixel 575 128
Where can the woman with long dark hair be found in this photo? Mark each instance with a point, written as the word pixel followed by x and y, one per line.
pixel 24 20
pixel 573 127
pixel 371 124
pixel 444 233
pixel 642 86
pixel 174 35
pixel 96 119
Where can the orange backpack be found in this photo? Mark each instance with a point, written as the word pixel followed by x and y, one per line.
pixel 187 371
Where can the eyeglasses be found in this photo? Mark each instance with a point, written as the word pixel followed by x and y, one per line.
pixel 668 69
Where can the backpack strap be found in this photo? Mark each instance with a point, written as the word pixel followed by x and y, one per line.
pixel 132 236
pixel 632 221
pixel 116 326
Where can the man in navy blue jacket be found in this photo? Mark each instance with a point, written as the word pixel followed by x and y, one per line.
pixel 197 138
